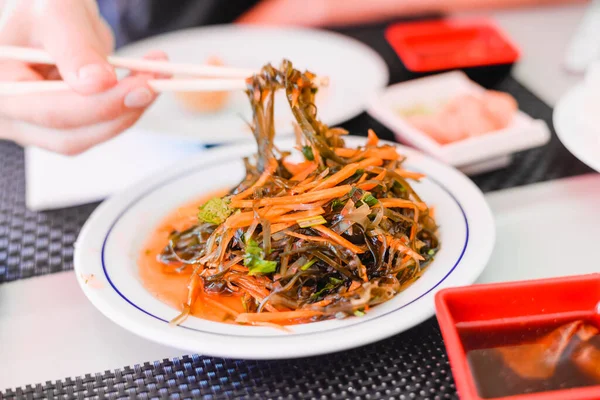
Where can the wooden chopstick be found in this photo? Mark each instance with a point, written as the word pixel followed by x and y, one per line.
pixel 36 56
pixel 158 85
pixel 225 78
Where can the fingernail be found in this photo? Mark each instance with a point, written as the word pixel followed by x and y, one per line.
pixel 138 98
pixel 93 73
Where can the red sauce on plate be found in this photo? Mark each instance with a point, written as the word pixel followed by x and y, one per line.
pixel 170 286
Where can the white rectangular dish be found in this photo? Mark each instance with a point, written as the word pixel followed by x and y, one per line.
pixel 473 154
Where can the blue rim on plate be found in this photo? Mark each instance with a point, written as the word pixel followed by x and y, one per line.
pixel 195 170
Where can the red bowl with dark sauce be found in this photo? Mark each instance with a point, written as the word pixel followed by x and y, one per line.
pixel 528 340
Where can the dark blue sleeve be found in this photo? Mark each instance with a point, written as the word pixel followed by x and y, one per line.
pixel 133 20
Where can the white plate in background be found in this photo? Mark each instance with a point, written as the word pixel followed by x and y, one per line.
pixel 355 71
pixel 523 133
pixel 113 238
pixel 575 128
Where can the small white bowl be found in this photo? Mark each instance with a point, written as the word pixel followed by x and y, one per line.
pixel 473 155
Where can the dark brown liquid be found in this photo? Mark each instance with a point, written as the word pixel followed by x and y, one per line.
pixel 516 359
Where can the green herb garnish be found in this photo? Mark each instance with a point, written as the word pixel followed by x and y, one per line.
pixel 308 153
pixel 369 199
pixel 254 259
pixel 308 264
pixel 215 211
pixel 332 284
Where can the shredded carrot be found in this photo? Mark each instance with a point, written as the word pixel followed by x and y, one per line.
pixel 370 186
pixel 362 179
pixel 413 228
pixel 347 172
pixel 385 153
pixel 370 162
pixel 400 246
pixel 401 203
pixel 372 139
pixel 354 285
pixel 325 231
pixel 322 303
pixel 276 316
pixel 304 186
pixel 306 181
pixel 346 152
pixel 238 267
pixel 432 212
pixel 246 218
pixel 305 172
pixel 268 172
pixel 301 198
pixel 279 227
pixel 272 325
pixel 409 174
pixel 299 167
pixel 293 217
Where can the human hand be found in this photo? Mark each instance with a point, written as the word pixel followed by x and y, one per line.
pixel 97 107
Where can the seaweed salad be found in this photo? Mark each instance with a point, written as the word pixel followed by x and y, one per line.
pixel 328 236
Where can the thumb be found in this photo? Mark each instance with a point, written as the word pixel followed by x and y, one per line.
pixel 66 31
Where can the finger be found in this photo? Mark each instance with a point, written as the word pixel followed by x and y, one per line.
pixel 67 31
pixel 68 110
pixel 18 71
pixel 73 141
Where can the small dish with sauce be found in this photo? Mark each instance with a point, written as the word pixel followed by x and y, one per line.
pixel 458 121
pixel 524 340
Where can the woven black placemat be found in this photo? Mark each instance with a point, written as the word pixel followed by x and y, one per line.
pixel 408 366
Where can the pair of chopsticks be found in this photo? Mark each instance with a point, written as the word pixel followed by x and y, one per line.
pixel 222 78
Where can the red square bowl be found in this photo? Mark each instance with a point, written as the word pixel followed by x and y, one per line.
pixel 450 43
pixel 512 305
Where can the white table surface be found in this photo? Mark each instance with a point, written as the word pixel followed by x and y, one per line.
pixel 49 331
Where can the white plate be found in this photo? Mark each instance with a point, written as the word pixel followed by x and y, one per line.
pixel 112 239
pixel 574 130
pixel 354 69
pixel 523 132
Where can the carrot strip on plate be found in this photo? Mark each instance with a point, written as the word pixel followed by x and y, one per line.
pixel 309 168
pixel 372 139
pixel 401 203
pixel 323 230
pixel 301 198
pixel 295 168
pixel 276 316
pixel 268 172
pixel 272 325
pixel 347 172
pixel 293 217
pixel 370 186
pixel 403 248
pixel 409 174
pixel 385 153
pixel 279 227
